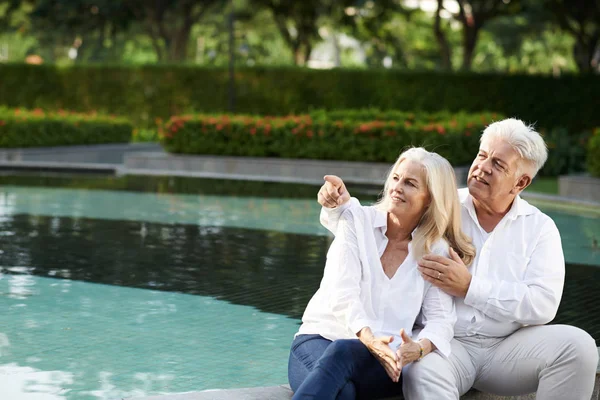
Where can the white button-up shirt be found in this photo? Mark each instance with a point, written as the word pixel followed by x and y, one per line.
pixel 518 272
pixel 355 292
pixel 517 275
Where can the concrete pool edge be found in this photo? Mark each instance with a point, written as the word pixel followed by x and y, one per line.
pixel 147 159
pixel 283 392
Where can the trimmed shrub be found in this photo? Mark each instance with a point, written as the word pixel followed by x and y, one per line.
pixel 143 93
pixel 566 152
pixel 593 155
pixel 23 128
pixel 374 114
pixel 457 138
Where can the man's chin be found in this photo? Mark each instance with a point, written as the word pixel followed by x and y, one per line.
pixel 475 187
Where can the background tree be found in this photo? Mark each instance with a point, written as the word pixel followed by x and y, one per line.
pixel 169 23
pixel 89 28
pixel 581 18
pixel 298 21
pixel 442 40
pixel 473 15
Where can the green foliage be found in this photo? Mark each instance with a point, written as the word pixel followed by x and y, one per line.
pixel 144 135
pixel 145 93
pixel 593 156
pixel 323 138
pixel 22 128
pixel 566 152
pixel 375 114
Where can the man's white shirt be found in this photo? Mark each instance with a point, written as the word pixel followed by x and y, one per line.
pixel 517 275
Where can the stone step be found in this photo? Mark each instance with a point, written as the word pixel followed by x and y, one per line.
pixel 283 392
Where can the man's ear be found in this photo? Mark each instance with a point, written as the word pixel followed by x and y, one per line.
pixel 522 183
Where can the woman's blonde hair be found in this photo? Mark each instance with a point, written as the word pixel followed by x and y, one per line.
pixel 442 218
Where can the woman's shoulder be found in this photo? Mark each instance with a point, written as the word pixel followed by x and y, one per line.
pixel 441 248
pixel 367 215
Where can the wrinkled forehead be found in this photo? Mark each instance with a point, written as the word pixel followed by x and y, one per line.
pixel 499 148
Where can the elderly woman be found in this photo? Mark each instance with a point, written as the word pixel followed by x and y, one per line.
pixel 356 331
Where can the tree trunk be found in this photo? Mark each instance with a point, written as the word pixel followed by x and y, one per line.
pixel 298 56
pixel 470 35
pixel 307 51
pixel 583 53
pixel 337 51
pixel 179 45
pixel 445 51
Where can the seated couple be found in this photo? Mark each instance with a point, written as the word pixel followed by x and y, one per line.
pixel 434 290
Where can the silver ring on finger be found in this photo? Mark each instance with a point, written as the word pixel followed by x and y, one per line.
pixel 439 276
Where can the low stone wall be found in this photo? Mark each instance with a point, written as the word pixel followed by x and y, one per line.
pixel 283 392
pixel 264 169
pixel 93 154
pixel 580 187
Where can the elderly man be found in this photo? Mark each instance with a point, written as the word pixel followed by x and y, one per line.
pixel 514 287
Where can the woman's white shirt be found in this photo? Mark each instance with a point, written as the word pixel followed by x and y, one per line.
pixel 355 292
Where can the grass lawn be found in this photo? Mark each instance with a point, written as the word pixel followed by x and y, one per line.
pixel 544 185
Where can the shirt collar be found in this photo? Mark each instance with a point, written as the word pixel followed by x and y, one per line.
pixel 381 219
pixel 518 208
pixel 381 222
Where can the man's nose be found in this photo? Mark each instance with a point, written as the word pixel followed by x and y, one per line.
pixel 486 166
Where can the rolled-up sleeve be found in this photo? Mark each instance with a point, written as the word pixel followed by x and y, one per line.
pixel 438 316
pixel 535 298
pixel 345 271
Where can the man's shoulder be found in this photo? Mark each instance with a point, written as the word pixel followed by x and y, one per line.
pixel 530 211
pixel 532 216
pixel 463 193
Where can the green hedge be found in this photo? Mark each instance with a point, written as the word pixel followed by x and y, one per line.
pixel 566 152
pixel 23 128
pixel 457 139
pixel 375 114
pixel 593 156
pixel 143 93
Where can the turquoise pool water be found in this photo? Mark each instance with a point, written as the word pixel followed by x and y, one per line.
pixel 119 288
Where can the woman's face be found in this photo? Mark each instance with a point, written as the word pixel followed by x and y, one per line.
pixel 407 193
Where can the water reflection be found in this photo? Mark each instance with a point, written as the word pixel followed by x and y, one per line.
pixel 108 342
pixel 285 215
pixel 164 184
pixel 273 271
pixel 26 383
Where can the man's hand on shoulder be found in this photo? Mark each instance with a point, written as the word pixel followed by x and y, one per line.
pixel 449 274
pixel 333 193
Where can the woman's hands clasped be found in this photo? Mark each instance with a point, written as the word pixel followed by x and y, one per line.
pixel 379 347
pixel 409 351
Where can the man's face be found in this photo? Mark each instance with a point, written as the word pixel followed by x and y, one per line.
pixel 492 175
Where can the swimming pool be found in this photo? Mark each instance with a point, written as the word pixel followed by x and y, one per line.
pixel 125 287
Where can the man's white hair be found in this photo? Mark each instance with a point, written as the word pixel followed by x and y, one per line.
pixel 523 138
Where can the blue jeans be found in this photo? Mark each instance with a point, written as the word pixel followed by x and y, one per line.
pixel 343 369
